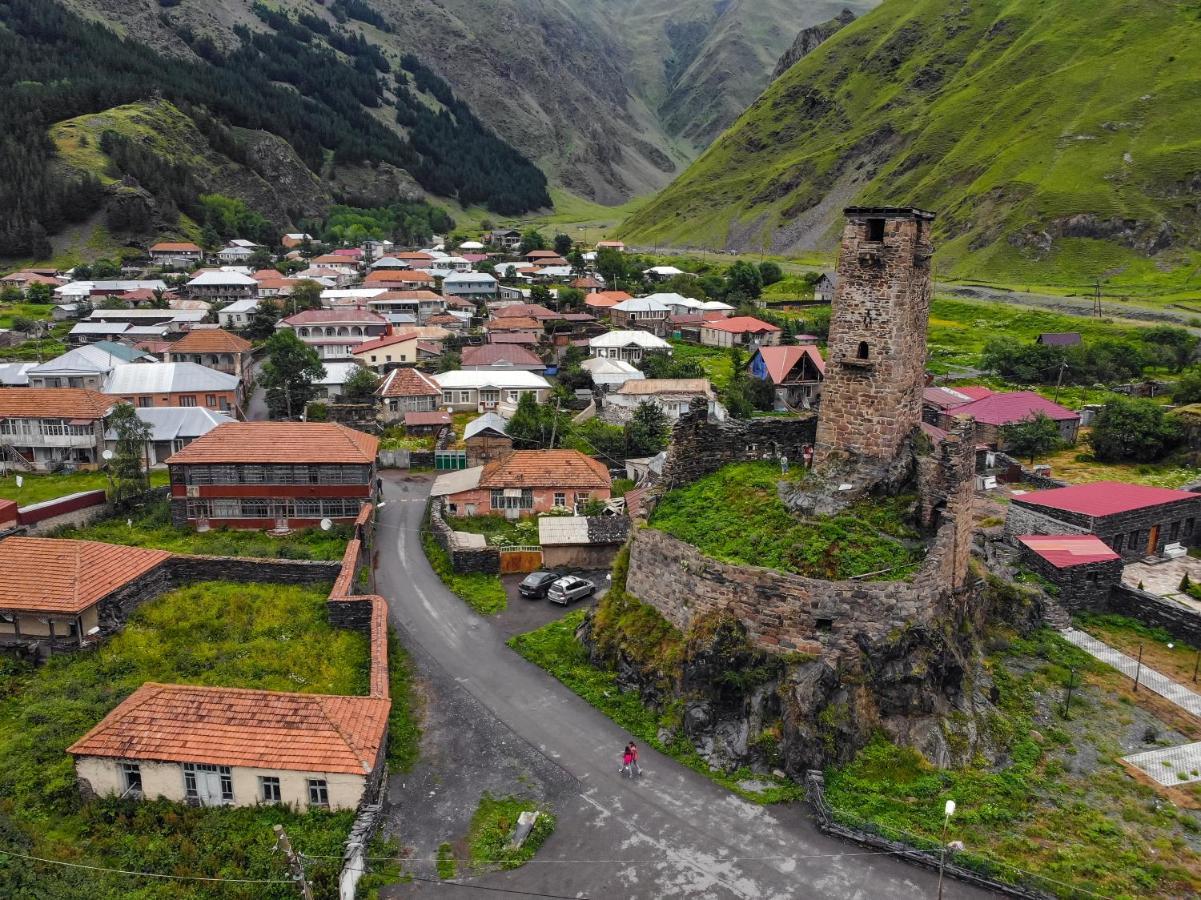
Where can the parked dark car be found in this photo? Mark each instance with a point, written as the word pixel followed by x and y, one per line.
pixel 535 585
pixel 569 588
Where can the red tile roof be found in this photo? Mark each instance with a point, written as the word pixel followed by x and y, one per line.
pixel 335 317
pixel 1103 498
pixel 545 468
pixel 408 383
pixel 407 295
pixel 211 340
pixel 240 727
pixel 605 299
pixel 385 276
pixel 49 575
pixel 280 442
pixel 742 325
pixel 513 337
pixel 781 360
pixel 491 354
pixel 1013 406
pixel 174 247
pixel 333 259
pixel 524 311
pixel 542 254
pixel 54 403
pixel 1064 550
pixel 427 418
pixel 387 340
pixel 586 282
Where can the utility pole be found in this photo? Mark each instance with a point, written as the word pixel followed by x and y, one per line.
pixel 554 425
pixel 1097 298
pixel 1059 381
pixel 1067 704
pixel 294 862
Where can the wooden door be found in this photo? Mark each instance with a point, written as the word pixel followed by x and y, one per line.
pixel 1152 540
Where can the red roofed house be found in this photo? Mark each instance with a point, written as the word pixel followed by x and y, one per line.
pixel 1081 565
pixel 739 331
pixel 525 311
pixel 500 356
pixel 1134 520
pixel 254 475
pixel 937 400
pixel 175 254
pixel 603 300
pixel 997 410
pixel 389 351
pixel 57 593
pixel 214 348
pixel 426 422
pixel 525 483
pixel 48 426
pixel 335 333
pixel 407 390
pixel 796 372
pixel 399 279
pixel 215 746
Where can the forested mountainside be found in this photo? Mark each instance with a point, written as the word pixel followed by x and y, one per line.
pixel 1053 139
pixel 337 104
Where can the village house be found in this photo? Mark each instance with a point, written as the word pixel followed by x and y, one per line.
pixel 88 291
pixel 619 246
pixel 1133 520
pixel 525 311
pixel 1081 566
pixel 506 238
pixel 47 427
pixel 490 357
pixel 54 593
pixel 445 266
pixel 214 348
pixel 662 273
pixel 628 346
pixel 524 338
pixel 825 286
pixel 795 372
pixel 171 429
pixel 473 286
pixel 609 374
pixel 134 324
pixel 175 254
pixel 235 254
pixel 937 400
pixel 218 285
pixel 601 302
pixel 641 312
pixel 407 390
pixel 389 351
pixel 340 263
pixel 486 439
pixel 294 239
pixel 217 746
pixel 740 331
pixel 15 374
pixel 525 483
pixel 672 395
pixel 175 384
pixel 331 385
pixel 256 475
pixel 23 279
pixel 994 412
pixel 399 280
pixel 335 333
pixel 421 305
pixel 427 422
pixel 85 367
pixel 587 284
pixel 581 542
pixel 388 262
pixel 238 315
pixel 490 390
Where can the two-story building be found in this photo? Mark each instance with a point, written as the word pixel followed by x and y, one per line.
pixel 421 305
pixel 525 483
pixel 221 285
pixel 474 286
pixel 641 312
pixel 254 475
pixel 46 427
pixel 406 390
pixel 86 367
pixel 628 346
pixel 175 254
pixel 181 384
pixel 796 373
pixel 389 351
pixel 336 333
pixel 489 390
pixel 215 349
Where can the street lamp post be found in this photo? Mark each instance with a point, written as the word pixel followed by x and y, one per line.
pixel 1067 704
pixel 948 810
pixel 1138 669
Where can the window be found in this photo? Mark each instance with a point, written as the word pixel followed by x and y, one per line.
pixel 875 230
pixel 318 792
pixel 1174 531
pixel 1188 527
pixel 1117 542
pixel 143 401
pixel 210 400
pixel 269 789
pixel 227 784
pixel 464 396
pixel 189 781
pixel 560 498
pixel 188 400
pixel 132 773
pixel 862 352
pixel 448 397
pixel 824 625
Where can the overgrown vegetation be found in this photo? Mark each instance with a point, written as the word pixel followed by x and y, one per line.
pixel 498 529
pixel 40 486
pixel 404 720
pixel 736 515
pixel 483 593
pixel 210 633
pixel 492 826
pixel 151 527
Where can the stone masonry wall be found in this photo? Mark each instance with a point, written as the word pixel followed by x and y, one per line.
pixel 1179 621
pixel 462 559
pixel 875 370
pixel 1134 527
pixel 1083 587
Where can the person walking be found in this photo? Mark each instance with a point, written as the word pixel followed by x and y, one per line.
pixel 627 760
pixel 635 769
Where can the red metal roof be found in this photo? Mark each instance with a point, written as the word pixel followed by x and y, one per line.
pixel 1064 550
pixel 1104 498
pixel 742 325
pixel 1013 406
pixel 427 418
pixel 781 360
pixel 491 354
pixel 945 397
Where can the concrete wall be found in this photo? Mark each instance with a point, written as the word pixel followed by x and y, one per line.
pixel 579 556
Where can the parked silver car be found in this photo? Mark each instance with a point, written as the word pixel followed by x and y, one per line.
pixel 569 588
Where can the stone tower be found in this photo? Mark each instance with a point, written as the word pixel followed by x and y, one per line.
pixel 875 371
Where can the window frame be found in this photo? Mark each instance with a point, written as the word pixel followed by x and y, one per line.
pixel 318 792
pixel 269 789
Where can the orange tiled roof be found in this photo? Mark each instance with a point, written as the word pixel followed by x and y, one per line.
pixel 280 442
pixel 605 299
pixel 241 727
pixel 407 295
pixel 516 323
pixel 408 383
pixel 54 403
pixel 174 247
pixel 399 276
pixel 398 337
pixel 211 340
pixel 545 468
pixel 50 575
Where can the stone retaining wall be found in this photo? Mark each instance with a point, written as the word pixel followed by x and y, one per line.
pixel 1179 621
pixel 485 560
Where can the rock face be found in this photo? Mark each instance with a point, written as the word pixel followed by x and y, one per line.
pixel 809 39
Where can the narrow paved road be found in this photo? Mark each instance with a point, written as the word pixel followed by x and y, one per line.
pixel 673 834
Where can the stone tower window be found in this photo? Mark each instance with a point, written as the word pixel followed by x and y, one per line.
pixel 875 230
pixel 862 352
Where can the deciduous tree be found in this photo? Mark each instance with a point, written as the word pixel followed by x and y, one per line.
pixel 1134 429
pixel 289 374
pixel 128 469
pixel 1032 437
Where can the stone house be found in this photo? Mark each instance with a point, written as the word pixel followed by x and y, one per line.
pixel 53 590
pixel 641 312
pixel 212 746
pixel 1081 565
pixel 994 412
pixel 796 372
pixel 1133 520
pixel 255 475
pixel 525 483
pixel 45 427
pixel 581 542
pixel 407 390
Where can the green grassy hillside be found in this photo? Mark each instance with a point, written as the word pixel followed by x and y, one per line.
pixel 1057 141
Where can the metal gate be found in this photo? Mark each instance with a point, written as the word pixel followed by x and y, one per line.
pixel 520 559
pixel 450 459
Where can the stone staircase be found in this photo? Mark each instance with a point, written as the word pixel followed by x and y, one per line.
pixel 1055 615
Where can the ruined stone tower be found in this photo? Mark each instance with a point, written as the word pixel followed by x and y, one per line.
pixel 875 372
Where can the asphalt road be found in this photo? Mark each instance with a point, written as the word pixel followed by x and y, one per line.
pixel 674 833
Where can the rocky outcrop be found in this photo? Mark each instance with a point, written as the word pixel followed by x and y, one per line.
pixel 809 39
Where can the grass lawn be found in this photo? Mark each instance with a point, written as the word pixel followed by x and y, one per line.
pixel 736 515
pixel 554 648
pixel 404 722
pixel 35 311
pixel 38 487
pixel 483 593
pixel 498 529
pixel 714 360
pixel 1128 635
pixel 211 633
pixel 1057 803
pixel 492 826
pixel 1077 465
pixel 152 528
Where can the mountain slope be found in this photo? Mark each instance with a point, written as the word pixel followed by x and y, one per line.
pixel 1055 138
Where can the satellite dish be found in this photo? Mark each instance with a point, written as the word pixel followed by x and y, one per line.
pixel 327 524
pixel 107 454
pixel 93 630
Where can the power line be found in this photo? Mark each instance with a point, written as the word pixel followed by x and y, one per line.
pixel 497 890
pixel 71 865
